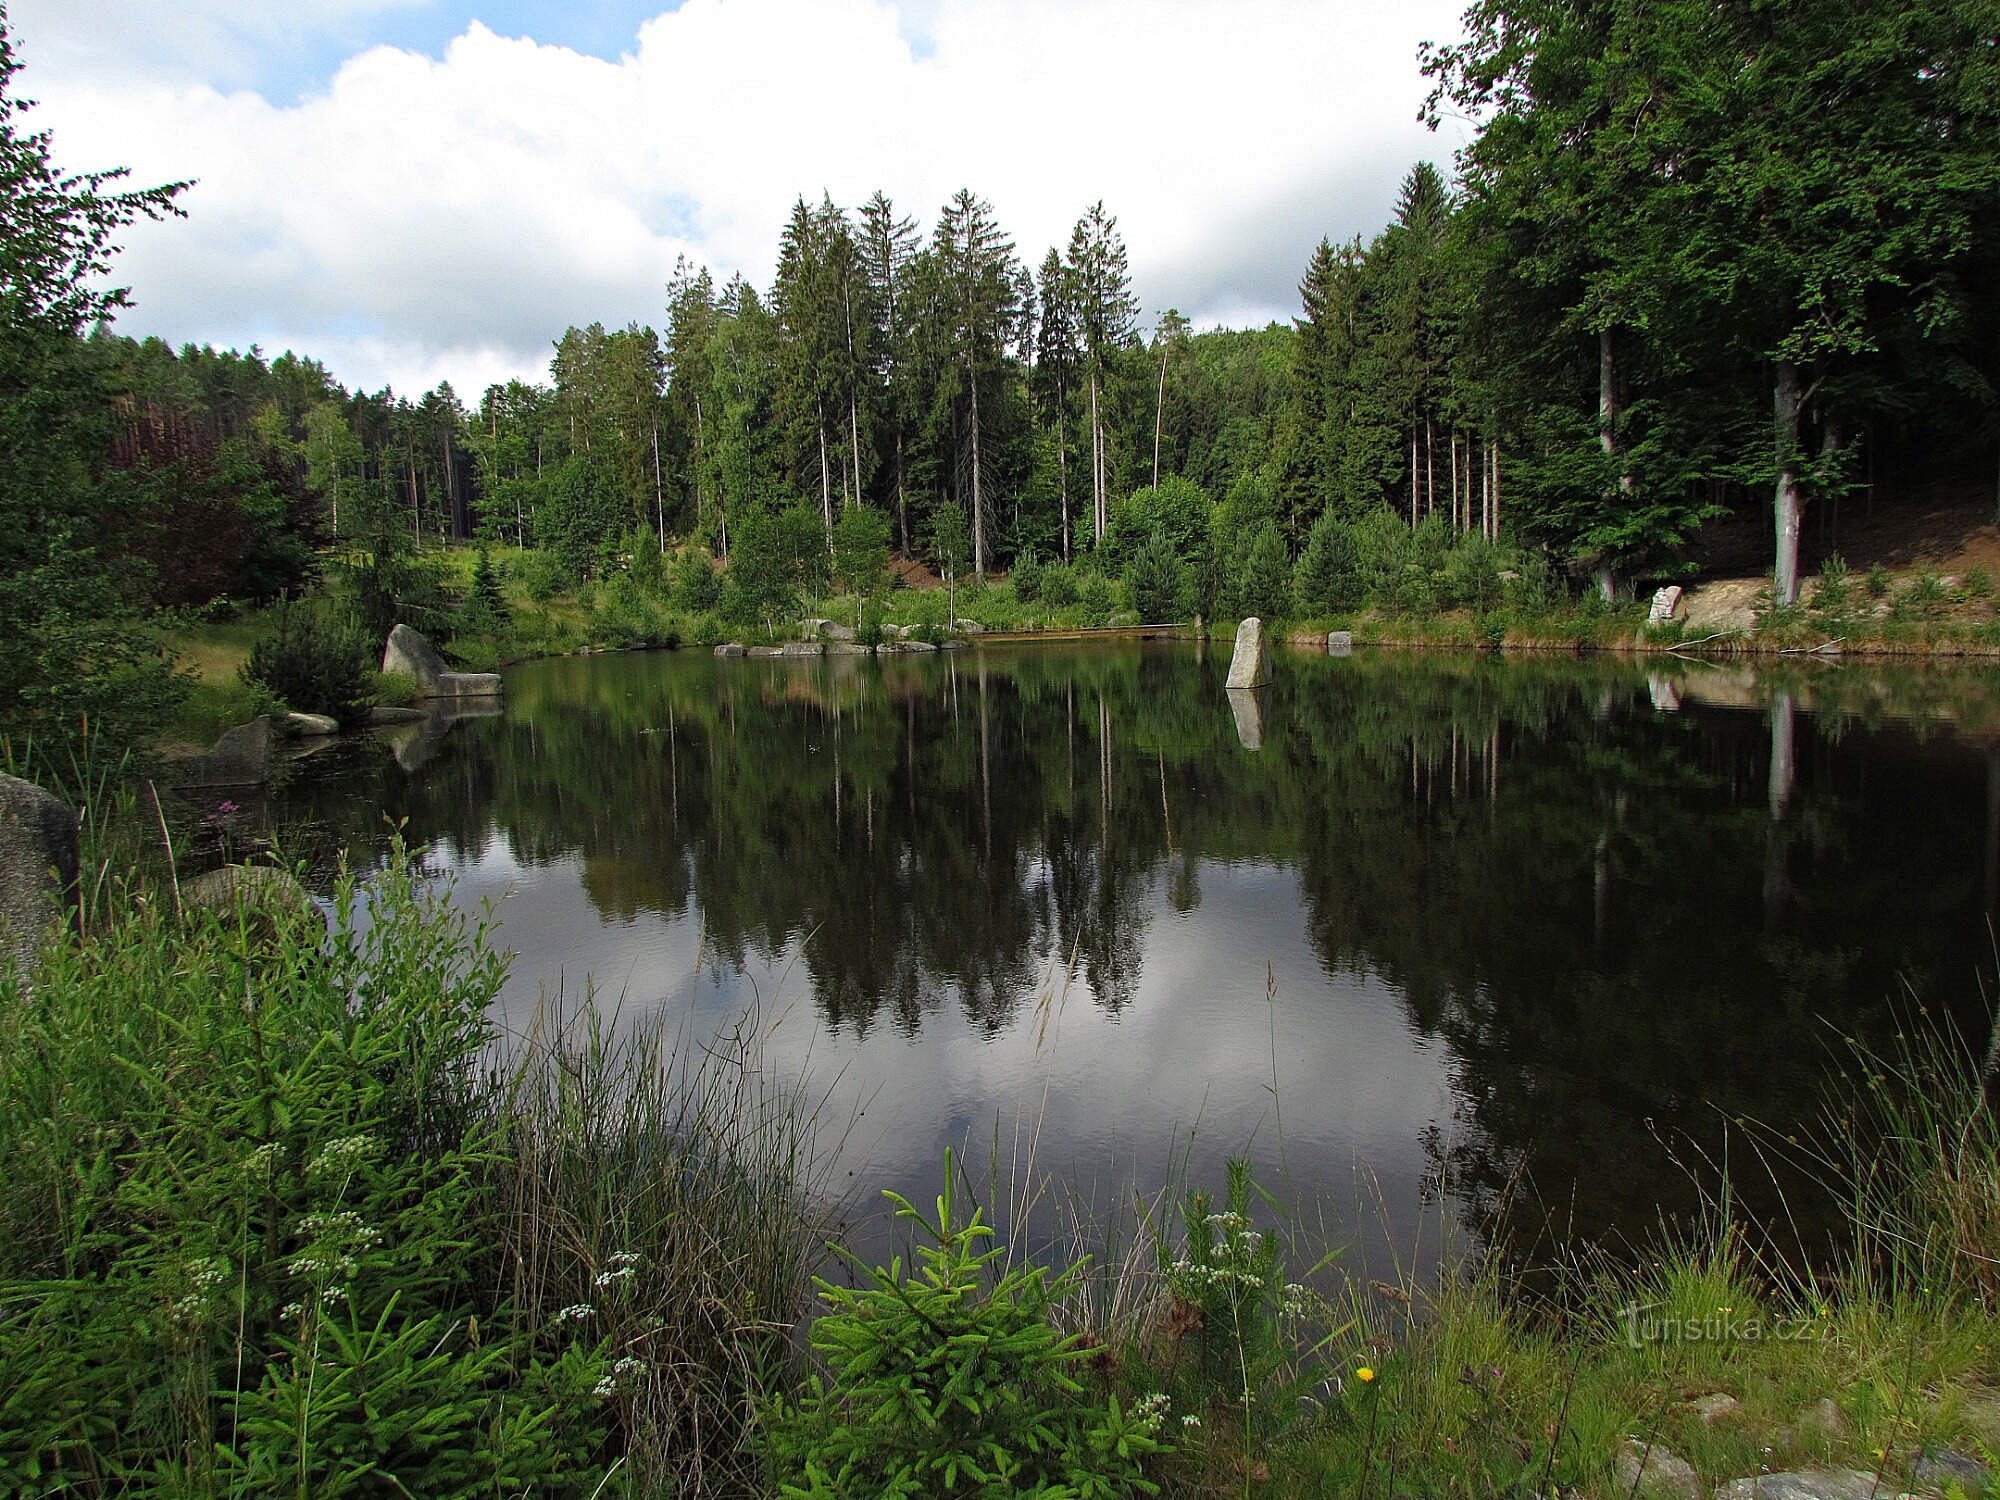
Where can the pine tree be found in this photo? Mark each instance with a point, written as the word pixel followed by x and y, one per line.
pixel 1100 291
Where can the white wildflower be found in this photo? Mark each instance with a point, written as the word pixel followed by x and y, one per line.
pixel 342 1155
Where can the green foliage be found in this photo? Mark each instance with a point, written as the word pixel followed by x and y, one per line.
pixel 1328 573
pixel 1059 585
pixel 802 542
pixel 484 611
pixel 1176 508
pixel 759 587
pixel 1094 594
pixel 1027 576
pixel 316 664
pixel 941 1385
pixel 542 575
pixel 950 541
pixel 279 1285
pixel 697 586
pixel 1261 582
pixel 860 551
pixel 1157 580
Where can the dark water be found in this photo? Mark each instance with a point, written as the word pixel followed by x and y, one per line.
pixel 1454 919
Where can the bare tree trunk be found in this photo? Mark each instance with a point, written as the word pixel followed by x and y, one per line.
pixel 1097 507
pixel 1062 467
pixel 1430 470
pixel 1787 399
pixel 978 493
pixel 1413 473
pixel 1607 438
pixel 854 437
pixel 659 488
pixel 1497 471
pixel 1457 503
pixel 902 500
pixel 1159 414
pixel 825 476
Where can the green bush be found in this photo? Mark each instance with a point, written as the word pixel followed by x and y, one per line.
pixel 542 576
pixel 316 665
pixel 1328 581
pixel 1157 580
pixel 1263 576
pixel 1059 586
pixel 242 1242
pixel 941 1386
pixel 1027 576
pixel 484 612
pixel 697 587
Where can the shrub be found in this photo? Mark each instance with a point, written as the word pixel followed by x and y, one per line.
pixel 1327 580
pixel 542 575
pixel 696 587
pixel 1027 575
pixel 1156 579
pixel 1059 586
pixel 943 1387
pixel 1093 592
pixel 484 611
pixel 276 1290
pixel 315 665
pixel 1263 578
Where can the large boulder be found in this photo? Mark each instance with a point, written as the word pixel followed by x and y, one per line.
pixel 38 869
pixel 410 653
pixel 729 648
pixel 241 757
pixel 262 889
pixel 1651 1472
pixel 1810 1484
pixel 1251 665
pixel 1666 606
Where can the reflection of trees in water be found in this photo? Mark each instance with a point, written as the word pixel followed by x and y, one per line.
pixel 1572 890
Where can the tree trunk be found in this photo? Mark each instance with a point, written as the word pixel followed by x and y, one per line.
pixel 1607 437
pixel 1097 507
pixel 1457 503
pixel 978 493
pixel 1159 414
pixel 1430 470
pixel 698 461
pixel 1062 467
pixel 825 477
pixel 1788 397
pixel 854 437
pixel 1413 473
pixel 659 488
pixel 902 500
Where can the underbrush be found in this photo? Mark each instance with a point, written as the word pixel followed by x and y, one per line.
pixel 276 1220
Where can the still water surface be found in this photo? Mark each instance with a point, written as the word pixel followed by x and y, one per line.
pixel 1452 920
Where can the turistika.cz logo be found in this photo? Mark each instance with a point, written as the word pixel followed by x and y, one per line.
pixel 1643 1325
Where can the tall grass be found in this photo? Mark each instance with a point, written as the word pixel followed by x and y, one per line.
pixel 671 1189
pixel 276 1220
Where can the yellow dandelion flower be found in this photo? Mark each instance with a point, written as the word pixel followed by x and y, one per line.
pixel 1364 1374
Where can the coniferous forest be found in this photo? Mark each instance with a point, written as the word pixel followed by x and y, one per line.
pixel 1695 261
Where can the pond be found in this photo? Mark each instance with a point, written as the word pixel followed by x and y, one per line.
pixel 1431 940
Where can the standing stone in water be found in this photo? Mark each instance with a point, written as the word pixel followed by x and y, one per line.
pixel 1251 665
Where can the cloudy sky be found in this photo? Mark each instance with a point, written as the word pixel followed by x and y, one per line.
pixel 411 190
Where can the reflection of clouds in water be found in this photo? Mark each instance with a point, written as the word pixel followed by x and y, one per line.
pixel 1111 1101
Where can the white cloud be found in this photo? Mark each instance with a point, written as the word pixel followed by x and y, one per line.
pixel 450 216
